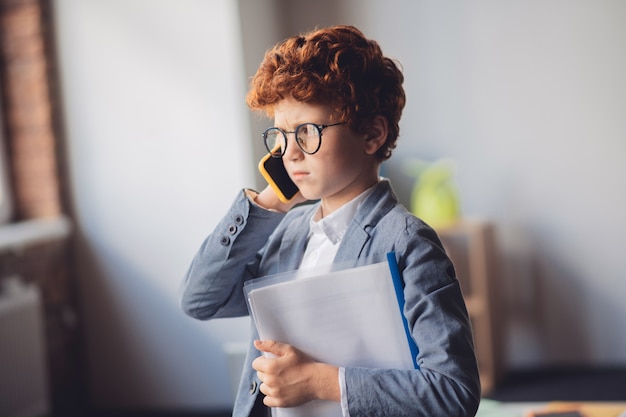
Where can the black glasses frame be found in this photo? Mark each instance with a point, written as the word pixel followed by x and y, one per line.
pixel 279 152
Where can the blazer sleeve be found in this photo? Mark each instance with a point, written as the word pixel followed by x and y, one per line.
pixel 229 256
pixel 447 382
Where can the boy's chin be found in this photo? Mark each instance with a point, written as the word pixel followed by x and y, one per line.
pixel 309 194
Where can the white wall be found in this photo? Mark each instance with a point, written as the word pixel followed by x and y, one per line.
pixel 156 124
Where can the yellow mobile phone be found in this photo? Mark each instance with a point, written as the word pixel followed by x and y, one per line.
pixel 274 172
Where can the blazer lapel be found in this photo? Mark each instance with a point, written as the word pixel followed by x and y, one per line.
pixel 374 207
pixel 352 245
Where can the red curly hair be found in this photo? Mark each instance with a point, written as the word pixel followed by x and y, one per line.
pixel 335 66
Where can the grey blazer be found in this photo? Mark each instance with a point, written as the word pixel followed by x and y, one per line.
pixel 251 242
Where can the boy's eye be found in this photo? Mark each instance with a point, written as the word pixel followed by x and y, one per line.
pixel 307 131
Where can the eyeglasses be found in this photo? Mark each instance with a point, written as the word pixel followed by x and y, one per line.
pixel 308 138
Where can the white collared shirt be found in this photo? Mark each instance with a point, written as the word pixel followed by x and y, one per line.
pixel 326 233
pixel 324 238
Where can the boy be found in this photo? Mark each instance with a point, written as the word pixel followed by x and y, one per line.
pixel 336 102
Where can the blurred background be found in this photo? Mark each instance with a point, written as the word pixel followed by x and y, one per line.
pixel 126 137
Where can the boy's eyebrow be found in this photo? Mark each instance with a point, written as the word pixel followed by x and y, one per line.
pixel 295 125
pixel 291 128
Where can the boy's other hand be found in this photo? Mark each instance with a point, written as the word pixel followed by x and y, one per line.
pixel 291 378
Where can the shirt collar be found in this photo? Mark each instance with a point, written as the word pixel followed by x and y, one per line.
pixel 334 225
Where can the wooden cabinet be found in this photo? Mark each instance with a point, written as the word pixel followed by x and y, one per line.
pixel 470 244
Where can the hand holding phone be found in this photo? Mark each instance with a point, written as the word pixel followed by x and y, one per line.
pixel 274 172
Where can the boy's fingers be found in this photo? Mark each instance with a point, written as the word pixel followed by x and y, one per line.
pixel 271 346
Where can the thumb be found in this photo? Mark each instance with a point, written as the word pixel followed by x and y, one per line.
pixel 271 346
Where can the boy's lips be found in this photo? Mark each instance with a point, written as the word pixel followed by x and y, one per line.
pixel 298 174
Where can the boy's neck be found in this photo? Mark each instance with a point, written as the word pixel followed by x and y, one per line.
pixel 330 205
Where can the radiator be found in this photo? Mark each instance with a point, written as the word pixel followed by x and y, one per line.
pixel 23 369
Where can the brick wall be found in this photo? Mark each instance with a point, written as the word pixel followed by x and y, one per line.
pixel 27 110
pixel 32 145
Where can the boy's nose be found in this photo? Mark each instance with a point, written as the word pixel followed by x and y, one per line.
pixel 293 151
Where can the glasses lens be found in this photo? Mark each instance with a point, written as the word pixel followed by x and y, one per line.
pixel 308 137
pixel 274 141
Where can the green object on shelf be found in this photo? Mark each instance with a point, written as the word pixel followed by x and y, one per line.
pixel 435 197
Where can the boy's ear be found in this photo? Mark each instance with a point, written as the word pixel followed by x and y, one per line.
pixel 377 135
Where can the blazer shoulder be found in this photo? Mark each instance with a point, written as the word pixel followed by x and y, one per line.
pixel 409 228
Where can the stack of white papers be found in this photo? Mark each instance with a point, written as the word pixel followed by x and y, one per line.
pixel 351 317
